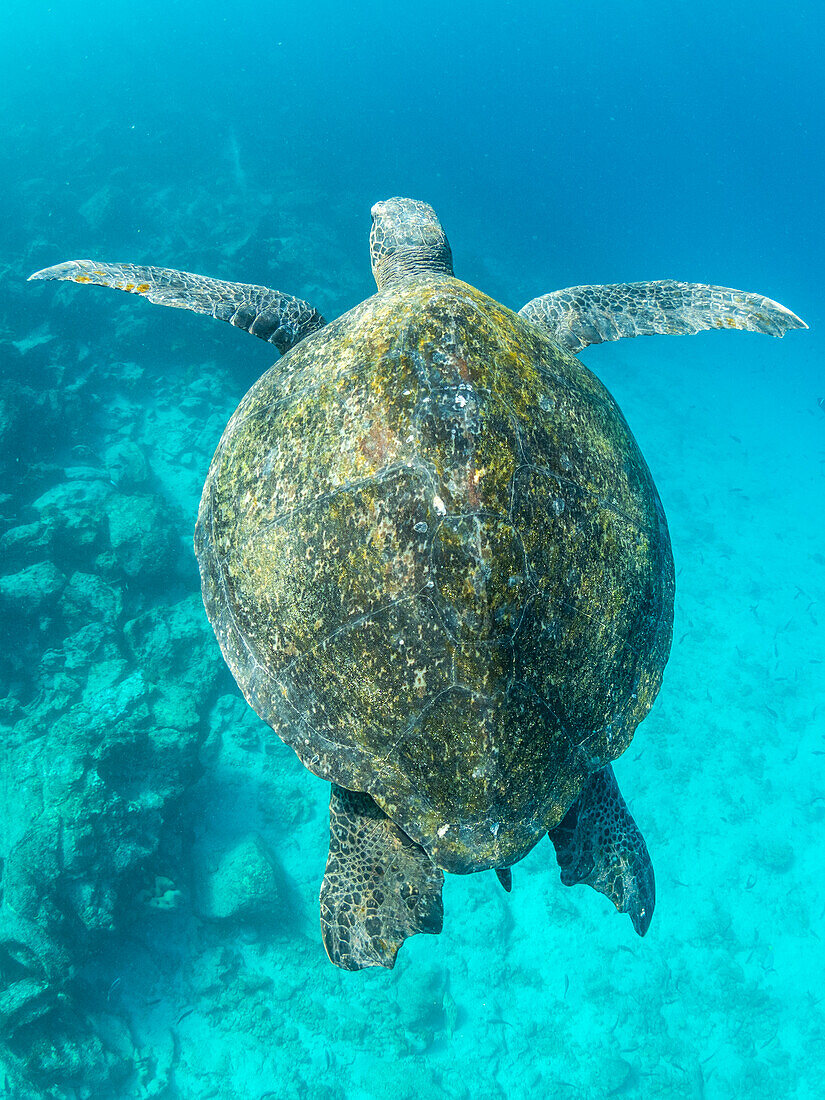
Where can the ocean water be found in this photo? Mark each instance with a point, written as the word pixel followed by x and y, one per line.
pixel 161 852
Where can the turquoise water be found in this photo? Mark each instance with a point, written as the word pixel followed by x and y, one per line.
pixel 560 144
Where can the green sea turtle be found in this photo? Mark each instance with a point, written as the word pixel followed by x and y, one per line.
pixel 438 567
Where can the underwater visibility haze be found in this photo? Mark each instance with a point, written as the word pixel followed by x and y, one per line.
pixel 430 547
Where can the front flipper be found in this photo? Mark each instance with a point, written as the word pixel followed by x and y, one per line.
pixel 584 315
pixel 379 887
pixel 277 318
pixel 599 843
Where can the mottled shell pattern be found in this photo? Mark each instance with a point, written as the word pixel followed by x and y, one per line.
pixel 438 567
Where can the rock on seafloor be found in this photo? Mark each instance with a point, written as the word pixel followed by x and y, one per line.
pixel 109 682
pixel 240 883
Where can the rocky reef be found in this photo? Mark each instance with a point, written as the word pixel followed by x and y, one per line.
pixel 111 673
pixel 115 700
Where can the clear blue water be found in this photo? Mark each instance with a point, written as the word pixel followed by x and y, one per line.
pixel 560 144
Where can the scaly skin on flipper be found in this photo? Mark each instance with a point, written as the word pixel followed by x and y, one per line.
pixel 584 315
pixel 599 843
pixel 278 318
pixel 379 887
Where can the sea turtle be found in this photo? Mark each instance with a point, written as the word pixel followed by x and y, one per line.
pixel 438 567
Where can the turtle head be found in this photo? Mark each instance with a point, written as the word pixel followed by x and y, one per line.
pixel 407 239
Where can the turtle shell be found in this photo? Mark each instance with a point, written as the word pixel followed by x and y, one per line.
pixel 438 567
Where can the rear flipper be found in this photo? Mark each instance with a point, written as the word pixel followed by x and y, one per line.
pixel 379 887
pixel 598 842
